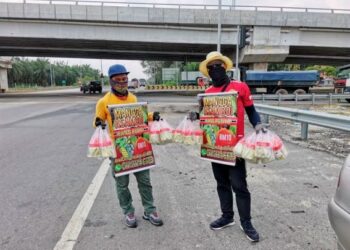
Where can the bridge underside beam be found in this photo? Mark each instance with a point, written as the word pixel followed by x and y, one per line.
pixel 318 55
pixel 103 49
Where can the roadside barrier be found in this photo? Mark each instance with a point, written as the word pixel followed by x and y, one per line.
pixel 305 117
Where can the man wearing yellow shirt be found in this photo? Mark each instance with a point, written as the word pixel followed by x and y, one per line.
pixel 118 78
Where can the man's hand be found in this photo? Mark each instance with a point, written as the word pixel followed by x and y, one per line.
pixel 193 116
pixel 100 122
pixel 260 128
pixel 156 116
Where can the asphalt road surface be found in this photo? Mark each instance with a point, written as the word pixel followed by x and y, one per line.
pixel 45 174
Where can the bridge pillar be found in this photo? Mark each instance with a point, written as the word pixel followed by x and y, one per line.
pixel 258 66
pixel 264 54
pixel 5 63
pixel 266 45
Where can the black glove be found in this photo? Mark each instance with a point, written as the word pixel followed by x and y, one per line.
pixel 193 116
pixel 156 116
pixel 100 122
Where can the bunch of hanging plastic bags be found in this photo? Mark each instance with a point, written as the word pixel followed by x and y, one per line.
pixel 262 147
pixel 101 144
pixel 188 132
pixel 160 132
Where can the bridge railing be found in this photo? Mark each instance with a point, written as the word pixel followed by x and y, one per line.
pixel 302 97
pixel 305 117
pixel 183 6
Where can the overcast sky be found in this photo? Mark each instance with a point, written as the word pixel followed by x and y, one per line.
pixel 135 67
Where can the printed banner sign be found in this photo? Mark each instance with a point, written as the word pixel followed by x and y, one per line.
pixel 218 120
pixel 131 133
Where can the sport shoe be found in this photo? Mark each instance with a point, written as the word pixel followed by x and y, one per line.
pixel 153 218
pixel 130 220
pixel 221 223
pixel 250 231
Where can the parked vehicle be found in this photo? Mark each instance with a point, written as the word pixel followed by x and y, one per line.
pixel 339 208
pixel 343 73
pixel 280 82
pixel 342 81
pixel 133 84
pixel 91 87
pixel 347 89
pixel 193 78
pixel 142 82
pixel 270 82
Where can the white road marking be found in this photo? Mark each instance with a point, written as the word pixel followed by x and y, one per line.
pixel 70 234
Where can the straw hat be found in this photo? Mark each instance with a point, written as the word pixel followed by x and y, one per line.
pixel 213 56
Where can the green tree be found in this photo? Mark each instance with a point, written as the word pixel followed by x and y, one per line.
pixel 326 70
pixel 154 68
pixel 39 72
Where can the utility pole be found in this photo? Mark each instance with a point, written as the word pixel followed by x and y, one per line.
pixel 51 75
pixel 219 28
pixel 237 53
pixel 102 76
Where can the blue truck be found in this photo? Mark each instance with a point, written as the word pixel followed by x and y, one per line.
pixel 280 82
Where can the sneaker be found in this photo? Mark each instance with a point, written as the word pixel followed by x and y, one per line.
pixel 221 223
pixel 153 218
pixel 250 231
pixel 130 220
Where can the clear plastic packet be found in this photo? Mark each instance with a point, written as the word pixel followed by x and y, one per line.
pixel 101 144
pixel 278 148
pixel 178 135
pixel 166 131
pixel 188 132
pixel 198 136
pixel 154 132
pixel 263 147
pixel 248 152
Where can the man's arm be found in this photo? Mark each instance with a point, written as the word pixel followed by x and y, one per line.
pixel 253 116
pixel 192 115
pixel 100 114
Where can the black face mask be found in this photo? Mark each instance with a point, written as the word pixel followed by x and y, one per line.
pixel 218 75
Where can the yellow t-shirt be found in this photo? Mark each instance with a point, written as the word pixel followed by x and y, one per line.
pixel 110 99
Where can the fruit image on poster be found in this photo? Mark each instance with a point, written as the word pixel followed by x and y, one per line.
pixel 130 127
pixel 218 120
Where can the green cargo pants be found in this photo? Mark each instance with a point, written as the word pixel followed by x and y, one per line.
pixel 145 190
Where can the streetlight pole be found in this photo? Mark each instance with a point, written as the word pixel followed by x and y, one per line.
pixel 237 54
pixel 51 74
pixel 219 28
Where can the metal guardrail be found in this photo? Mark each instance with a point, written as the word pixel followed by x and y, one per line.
pixel 306 117
pixel 304 97
pixel 183 6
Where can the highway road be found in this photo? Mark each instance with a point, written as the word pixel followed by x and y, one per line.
pixel 45 174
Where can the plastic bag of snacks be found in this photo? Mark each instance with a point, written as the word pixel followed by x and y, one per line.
pixel 188 132
pixel 178 132
pixel 154 131
pixel 262 147
pixel 166 131
pixel 279 149
pixel 160 132
pixel 101 144
pixel 245 148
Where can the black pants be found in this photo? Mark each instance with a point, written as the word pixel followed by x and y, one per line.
pixel 230 178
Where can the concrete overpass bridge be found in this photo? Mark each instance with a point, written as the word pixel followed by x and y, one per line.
pixel 170 32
